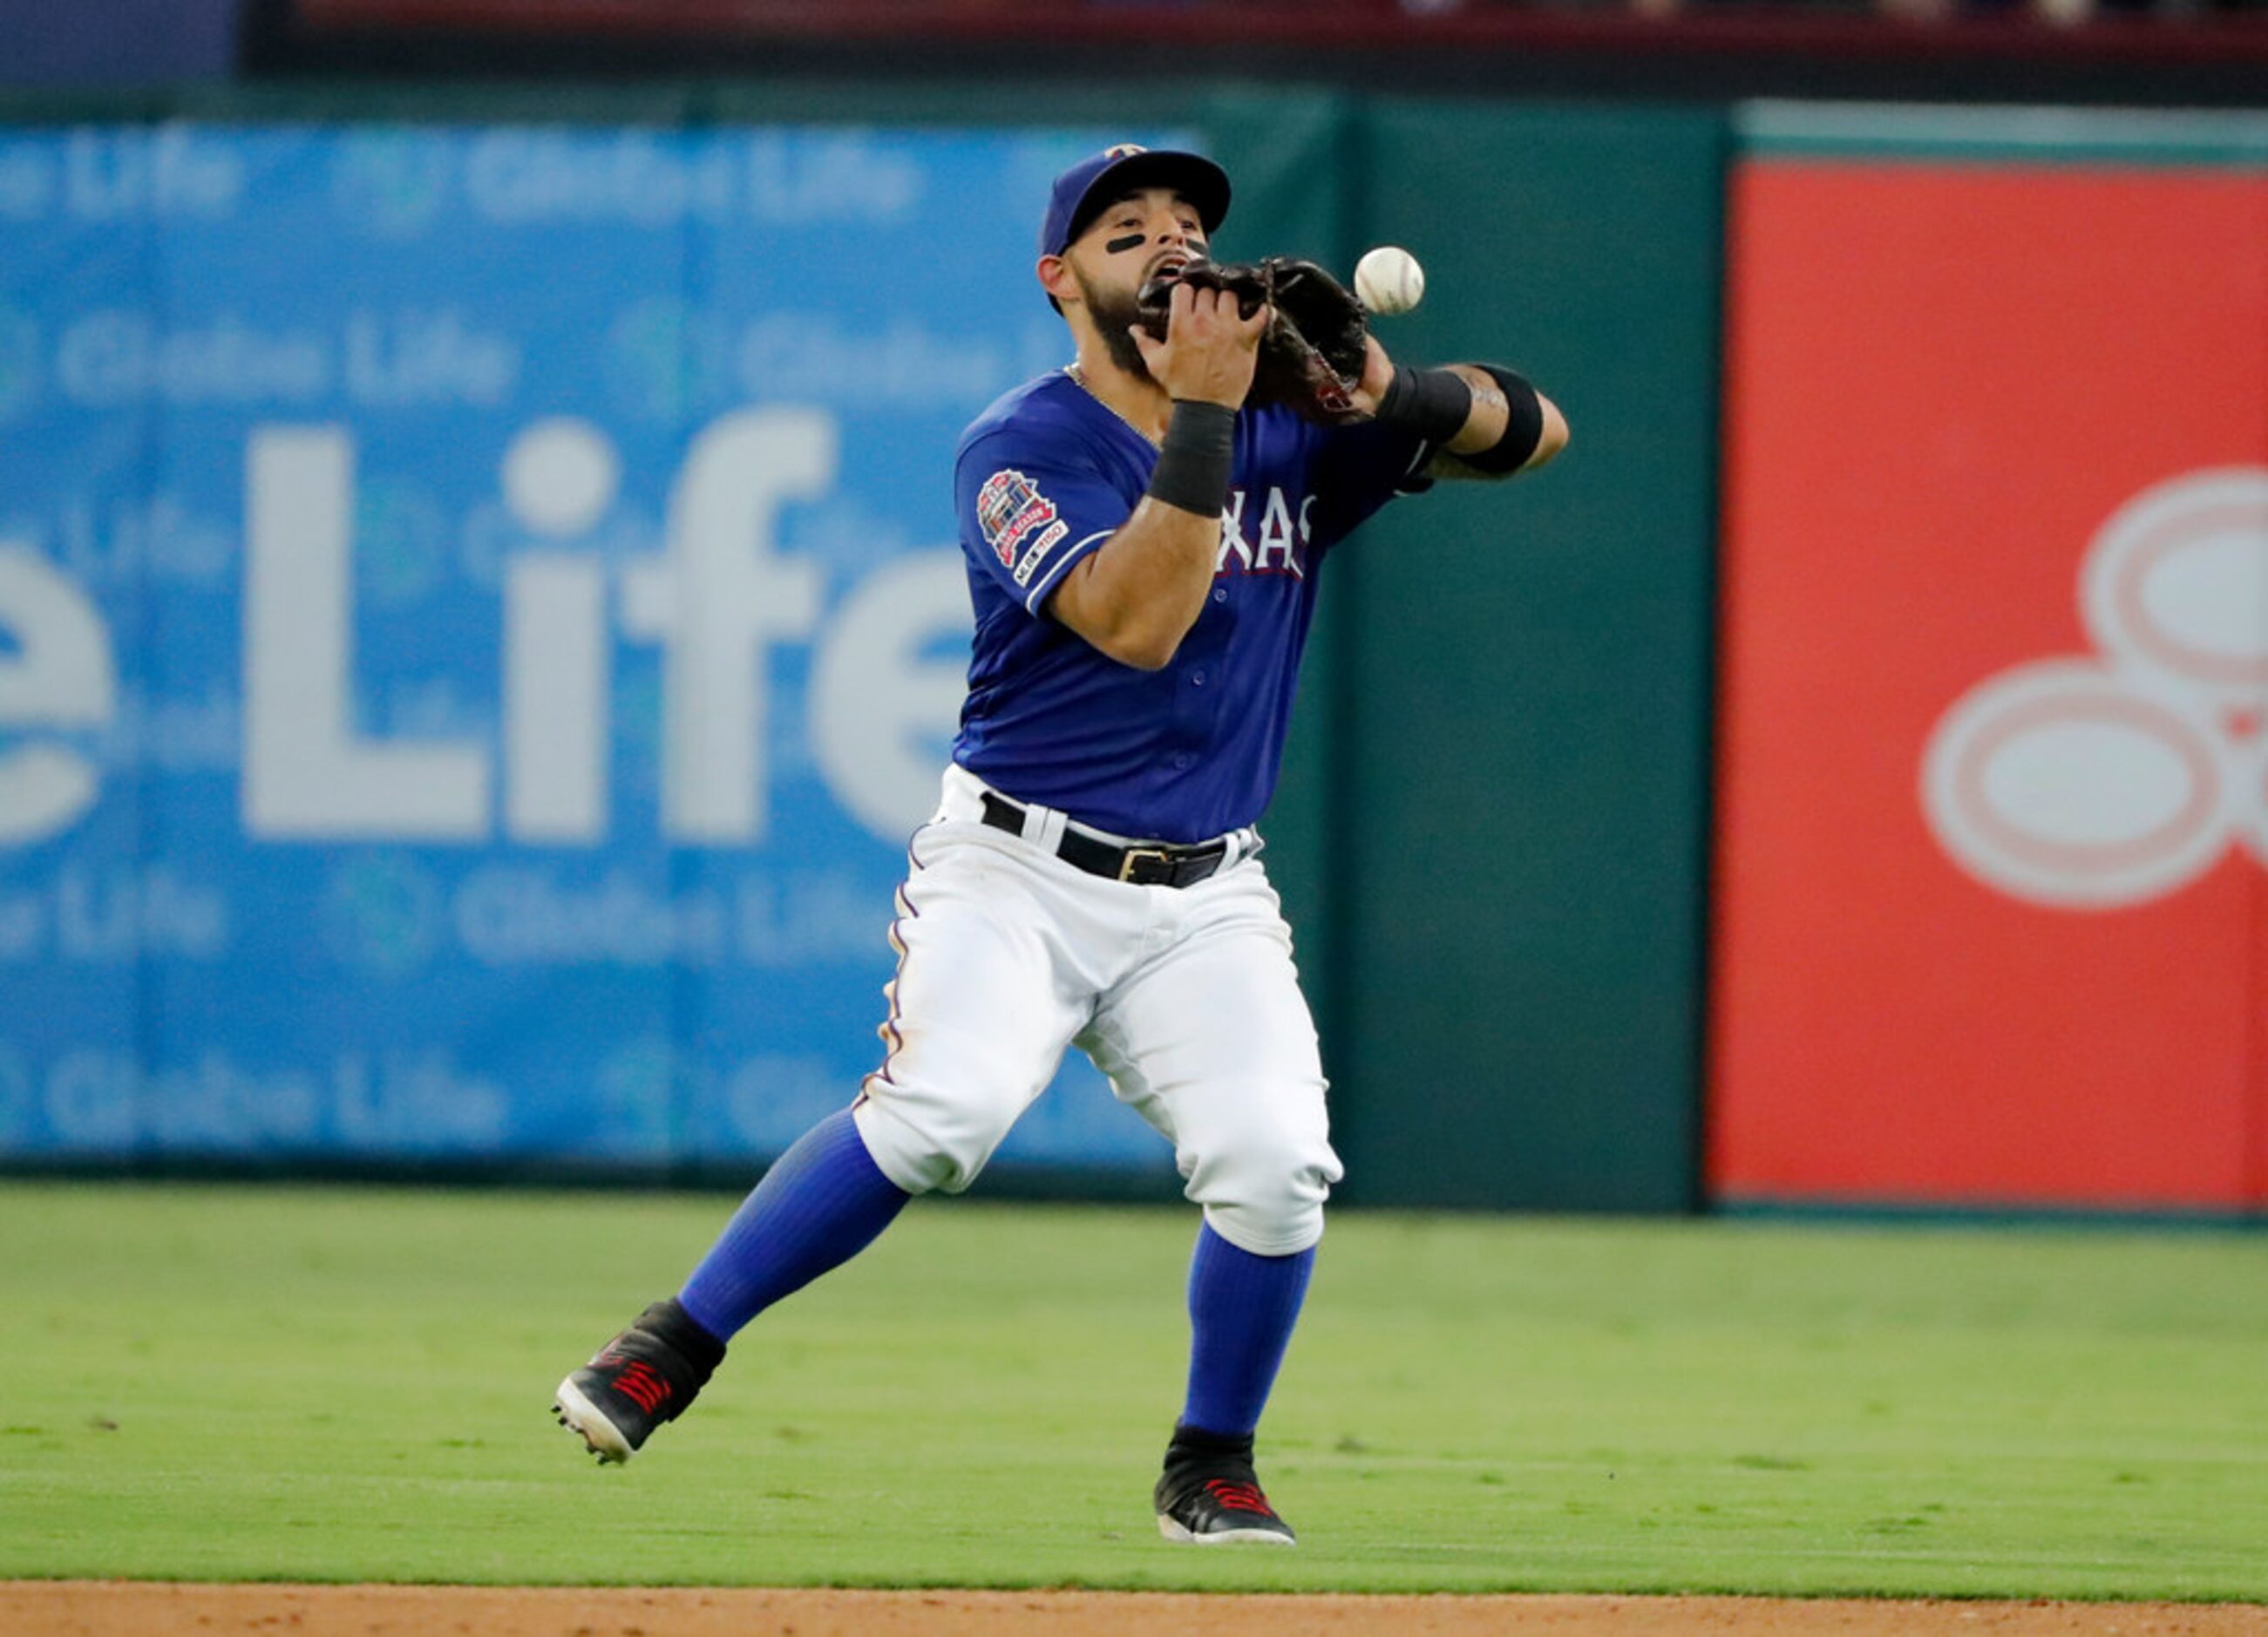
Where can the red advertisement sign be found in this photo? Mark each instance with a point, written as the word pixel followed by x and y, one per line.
pixel 1991 894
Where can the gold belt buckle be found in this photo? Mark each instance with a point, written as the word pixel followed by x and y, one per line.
pixel 1134 855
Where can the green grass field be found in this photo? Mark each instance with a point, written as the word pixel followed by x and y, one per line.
pixel 354 1384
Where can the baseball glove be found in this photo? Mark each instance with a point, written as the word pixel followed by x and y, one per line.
pixel 1312 353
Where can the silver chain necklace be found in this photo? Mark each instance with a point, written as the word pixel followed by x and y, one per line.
pixel 1079 378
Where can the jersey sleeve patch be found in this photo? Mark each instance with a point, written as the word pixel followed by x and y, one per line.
pixel 1019 523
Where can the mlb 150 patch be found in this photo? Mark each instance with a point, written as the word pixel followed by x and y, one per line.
pixel 1009 508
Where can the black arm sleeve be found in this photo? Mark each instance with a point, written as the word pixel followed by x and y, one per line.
pixel 1523 427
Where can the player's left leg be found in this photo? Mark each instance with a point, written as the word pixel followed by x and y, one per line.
pixel 819 1204
pixel 1211 1042
pixel 982 1009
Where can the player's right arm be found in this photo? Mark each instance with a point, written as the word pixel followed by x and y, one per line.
pixel 1137 595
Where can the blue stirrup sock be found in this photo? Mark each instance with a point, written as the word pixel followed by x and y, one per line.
pixel 822 1202
pixel 1241 1310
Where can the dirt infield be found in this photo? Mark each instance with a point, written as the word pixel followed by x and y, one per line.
pixel 137 1609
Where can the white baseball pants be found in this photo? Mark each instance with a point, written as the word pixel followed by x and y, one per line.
pixel 1186 997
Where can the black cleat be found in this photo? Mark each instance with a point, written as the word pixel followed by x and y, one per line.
pixel 643 1377
pixel 1209 1495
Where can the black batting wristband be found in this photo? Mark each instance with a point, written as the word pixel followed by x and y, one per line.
pixel 1193 462
pixel 1523 426
pixel 1433 403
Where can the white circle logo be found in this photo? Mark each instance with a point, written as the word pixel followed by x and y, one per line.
pixel 2091 783
pixel 2175 584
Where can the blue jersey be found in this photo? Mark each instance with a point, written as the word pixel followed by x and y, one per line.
pixel 1045 476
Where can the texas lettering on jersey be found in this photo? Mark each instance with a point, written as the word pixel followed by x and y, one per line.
pixel 1278 543
pixel 1009 509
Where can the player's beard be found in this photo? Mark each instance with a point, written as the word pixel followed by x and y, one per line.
pixel 1114 313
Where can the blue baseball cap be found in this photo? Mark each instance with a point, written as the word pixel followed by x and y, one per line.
pixel 1081 192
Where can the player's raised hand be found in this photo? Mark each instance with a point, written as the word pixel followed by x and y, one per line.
pixel 1209 350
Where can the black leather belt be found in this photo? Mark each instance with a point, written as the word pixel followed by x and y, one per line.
pixel 1144 863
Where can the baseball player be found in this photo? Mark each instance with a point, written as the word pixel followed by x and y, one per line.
pixel 1143 547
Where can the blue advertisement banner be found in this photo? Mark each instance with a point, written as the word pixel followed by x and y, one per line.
pixel 479 619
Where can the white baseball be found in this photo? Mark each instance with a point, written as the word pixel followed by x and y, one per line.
pixel 1389 280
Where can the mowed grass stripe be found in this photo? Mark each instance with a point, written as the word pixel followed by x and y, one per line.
pixel 343 1384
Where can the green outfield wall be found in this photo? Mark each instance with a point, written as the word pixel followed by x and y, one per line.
pixel 1495 826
